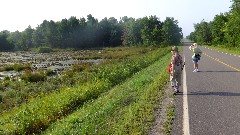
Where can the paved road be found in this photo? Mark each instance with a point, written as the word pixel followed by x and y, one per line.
pixel 213 95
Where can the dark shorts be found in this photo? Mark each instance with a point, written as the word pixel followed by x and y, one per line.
pixel 194 60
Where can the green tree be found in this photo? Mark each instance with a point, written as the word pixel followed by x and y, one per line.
pixel 151 31
pixel 105 30
pixel 232 27
pixel 172 33
pixel 27 38
pixel 15 39
pixel 5 45
pixel 217 28
pixel 132 31
pixel 191 37
pixel 40 35
pixel 115 33
pixel 203 32
pixel 91 31
pixel 52 35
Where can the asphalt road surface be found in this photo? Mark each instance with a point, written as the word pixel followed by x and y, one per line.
pixel 213 95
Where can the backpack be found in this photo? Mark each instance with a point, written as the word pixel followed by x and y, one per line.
pixel 197 56
pixel 178 60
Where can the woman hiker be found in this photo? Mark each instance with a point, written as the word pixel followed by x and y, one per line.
pixel 196 56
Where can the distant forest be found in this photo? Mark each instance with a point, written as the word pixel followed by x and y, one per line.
pixel 224 30
pixel 90 33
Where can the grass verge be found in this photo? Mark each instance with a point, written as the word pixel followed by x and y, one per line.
pixel 125 109
pixel 39 113
pixel 235 51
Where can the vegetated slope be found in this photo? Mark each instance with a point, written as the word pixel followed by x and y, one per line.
pixel 39 113
pixel 35 83
pixel 127 108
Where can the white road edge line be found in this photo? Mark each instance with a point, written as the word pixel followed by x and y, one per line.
pixel 186 129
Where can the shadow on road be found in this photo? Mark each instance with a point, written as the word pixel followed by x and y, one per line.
pixel 219 71
pixel 214 93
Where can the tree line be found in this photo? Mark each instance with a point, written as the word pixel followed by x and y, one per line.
pixel 89 33
pixel 223 30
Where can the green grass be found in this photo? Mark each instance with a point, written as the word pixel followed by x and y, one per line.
pixel 38 113
pixel 126 109
pixel 167 125
pixel 13 93
pixel 235 51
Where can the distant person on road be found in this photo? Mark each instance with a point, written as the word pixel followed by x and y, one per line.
pixel 196 56
pixel 176 69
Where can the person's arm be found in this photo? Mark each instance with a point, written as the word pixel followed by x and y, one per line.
pixel 190 47
pixel 173 71
pixel 173 65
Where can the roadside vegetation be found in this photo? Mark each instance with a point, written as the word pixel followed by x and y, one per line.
pixel 116 94
pixel 127 108
pixel 235 51
pixel 222 32
pixel 77 89
pixel 14 92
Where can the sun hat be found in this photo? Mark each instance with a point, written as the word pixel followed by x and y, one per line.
pixel 194 44
pixel 175 48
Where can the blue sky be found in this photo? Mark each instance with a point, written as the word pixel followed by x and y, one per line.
pixel 19 14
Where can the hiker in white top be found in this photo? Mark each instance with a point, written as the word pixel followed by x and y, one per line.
pixel 196 56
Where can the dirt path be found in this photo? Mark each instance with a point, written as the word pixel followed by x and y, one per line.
pixel 161 112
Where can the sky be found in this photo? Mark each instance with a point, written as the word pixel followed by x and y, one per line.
pixel 19 14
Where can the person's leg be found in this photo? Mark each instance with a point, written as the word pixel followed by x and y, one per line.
pixel 178 78
pixel 173 79
pixel 195 65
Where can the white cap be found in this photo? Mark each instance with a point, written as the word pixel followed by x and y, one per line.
pixel 194 44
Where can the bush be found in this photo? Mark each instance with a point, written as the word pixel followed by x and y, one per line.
pixel 1 98
pixel 45 49
pixel 8 68
pixel 18 68
pixel 15 67
pixel 33 77
pixel 50 72
pixel 81 66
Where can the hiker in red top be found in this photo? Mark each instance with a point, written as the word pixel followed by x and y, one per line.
pixel 176 70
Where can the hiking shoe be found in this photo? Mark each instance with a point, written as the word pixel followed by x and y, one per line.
pixel 176 90
pixel 195 70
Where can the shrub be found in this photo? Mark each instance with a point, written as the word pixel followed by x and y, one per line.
pixel 50 72
pixel 33 77
pixel 1 98
pixel 81 66
pixel 8 68
pixel 45 49
pixel 15 67
pixel 18 68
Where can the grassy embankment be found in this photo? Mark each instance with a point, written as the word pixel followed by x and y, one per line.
pixel 127 108
pixel 40 112
pixel 13 93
